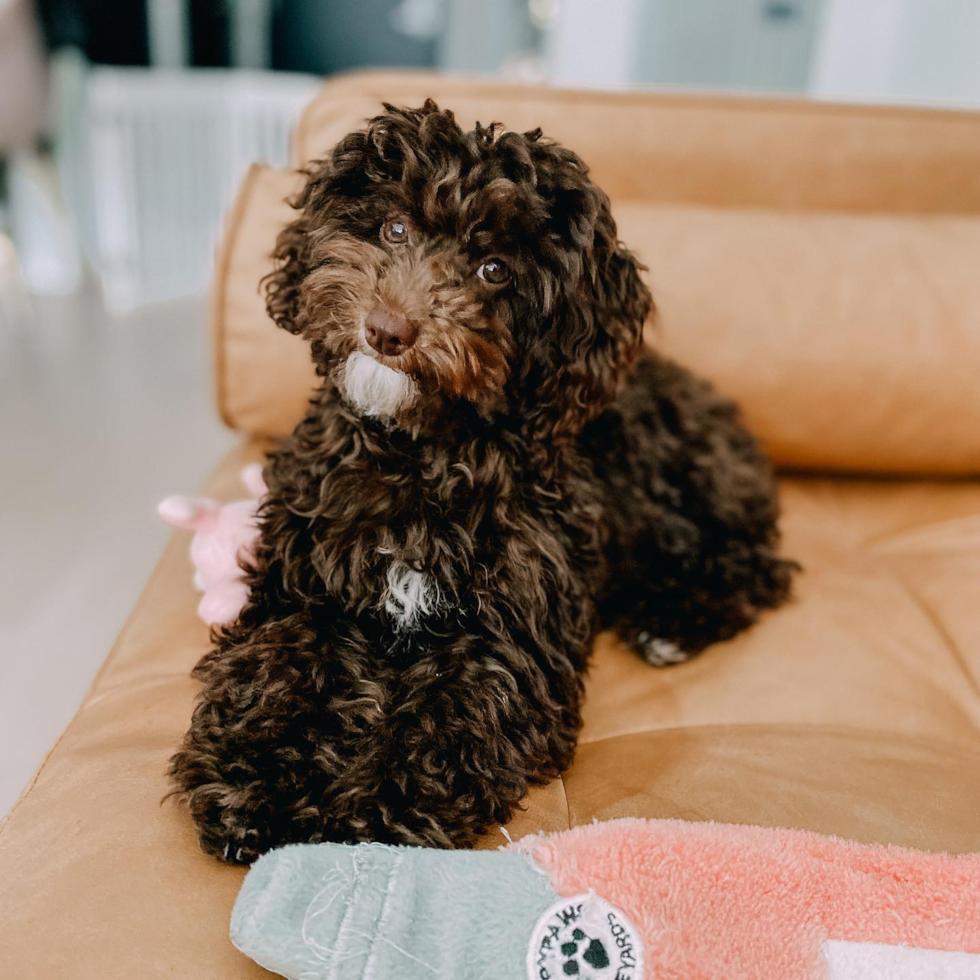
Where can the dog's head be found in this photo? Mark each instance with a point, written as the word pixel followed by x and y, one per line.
pixel 429 266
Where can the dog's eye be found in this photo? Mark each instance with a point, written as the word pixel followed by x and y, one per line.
pixel 494 271
pixel 395 232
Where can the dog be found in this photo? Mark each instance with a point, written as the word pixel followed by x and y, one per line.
pixel 490 471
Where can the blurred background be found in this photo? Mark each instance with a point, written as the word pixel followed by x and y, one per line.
pixel 124 129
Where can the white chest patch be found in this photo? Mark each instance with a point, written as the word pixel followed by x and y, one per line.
pixel 374 389
pixel 410 595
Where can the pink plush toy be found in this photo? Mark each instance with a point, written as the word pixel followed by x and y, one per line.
pixel 224 535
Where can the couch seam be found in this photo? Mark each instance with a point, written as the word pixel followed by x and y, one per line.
pixel 887 538
pixel 937 624
pixel 568 806
pixel 840 730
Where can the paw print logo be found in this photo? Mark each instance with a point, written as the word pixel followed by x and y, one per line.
pixel 583 955
pixel 584 938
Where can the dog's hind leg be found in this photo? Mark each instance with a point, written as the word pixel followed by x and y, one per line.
pixel 690 514
pixel 669 610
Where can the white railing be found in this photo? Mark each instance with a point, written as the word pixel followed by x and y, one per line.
pixel 154 161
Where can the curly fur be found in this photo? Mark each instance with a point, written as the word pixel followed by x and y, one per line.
pixel 436 555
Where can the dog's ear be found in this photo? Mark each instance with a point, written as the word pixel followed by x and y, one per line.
pixel 599 319
pixel 291 257
pixel 294 244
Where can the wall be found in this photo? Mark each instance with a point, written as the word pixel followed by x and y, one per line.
pixel 902 50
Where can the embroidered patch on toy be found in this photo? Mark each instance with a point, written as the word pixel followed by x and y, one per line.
pixel 584 938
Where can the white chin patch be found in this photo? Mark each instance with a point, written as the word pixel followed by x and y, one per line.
pixel 374 389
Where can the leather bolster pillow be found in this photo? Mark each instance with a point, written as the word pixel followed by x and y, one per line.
pixel 851 341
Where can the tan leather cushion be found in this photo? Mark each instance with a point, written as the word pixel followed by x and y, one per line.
pixel 852 342
pixel 853 711
pixel 711 150
pixel 851 338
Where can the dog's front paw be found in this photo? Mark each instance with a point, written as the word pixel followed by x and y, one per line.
pixel 230 836
pixel 242 847
pixel 232 822
pixel 658 652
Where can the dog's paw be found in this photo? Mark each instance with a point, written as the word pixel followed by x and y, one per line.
pixel 238 847
pixel 233 822
pixel 659 652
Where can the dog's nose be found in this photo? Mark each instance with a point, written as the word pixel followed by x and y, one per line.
pixel 389 333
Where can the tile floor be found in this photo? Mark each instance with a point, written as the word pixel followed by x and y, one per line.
pixel 100 417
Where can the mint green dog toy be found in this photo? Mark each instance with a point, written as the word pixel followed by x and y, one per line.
pixel 377 912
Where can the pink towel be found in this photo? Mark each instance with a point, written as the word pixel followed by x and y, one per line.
pixel 716 902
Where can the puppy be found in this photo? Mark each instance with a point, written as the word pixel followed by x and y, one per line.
pixel 489 472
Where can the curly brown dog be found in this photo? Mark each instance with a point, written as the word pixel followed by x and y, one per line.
pixel 489 472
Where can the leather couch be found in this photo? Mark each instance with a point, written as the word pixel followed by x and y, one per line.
pixel 821 263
